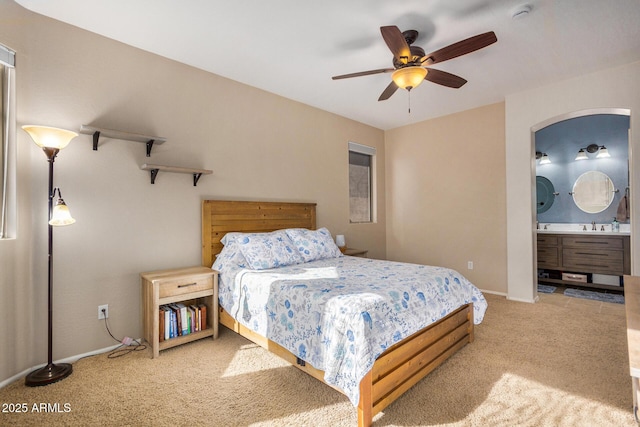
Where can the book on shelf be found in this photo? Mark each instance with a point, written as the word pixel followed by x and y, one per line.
pixel 161 325
pixel 203 316
pixel 179 319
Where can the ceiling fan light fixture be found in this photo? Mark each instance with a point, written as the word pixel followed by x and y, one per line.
pixel 409 77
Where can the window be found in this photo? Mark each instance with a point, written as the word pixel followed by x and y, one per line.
pixel 361 166
pixel 7 150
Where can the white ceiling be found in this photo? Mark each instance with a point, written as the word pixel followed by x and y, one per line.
pixel 293 47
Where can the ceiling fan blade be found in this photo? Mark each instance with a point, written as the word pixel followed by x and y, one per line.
pixel 445 79
pixel 461 48
pixel 363 73
pixel 396 42
pixel 390 90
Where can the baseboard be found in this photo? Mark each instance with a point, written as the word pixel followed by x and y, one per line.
pixel 70 359
pixel 502 294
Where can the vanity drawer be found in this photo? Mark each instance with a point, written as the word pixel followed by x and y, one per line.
pixel 548 257
pixel 593 242
pixel 547 240
pixel 593 260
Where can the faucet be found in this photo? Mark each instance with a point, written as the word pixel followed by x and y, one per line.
pixel 602 227
pixel 584 227
pixel 545 226
pixel 593 226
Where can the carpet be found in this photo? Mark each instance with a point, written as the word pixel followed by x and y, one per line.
pixel 546 289
pixel 596 296
pixel 546 364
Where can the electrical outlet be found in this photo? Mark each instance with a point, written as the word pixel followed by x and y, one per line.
pixel 103 311
pixel 470 265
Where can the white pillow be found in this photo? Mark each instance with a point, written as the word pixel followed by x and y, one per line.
pixel 268 250
pixel 314 244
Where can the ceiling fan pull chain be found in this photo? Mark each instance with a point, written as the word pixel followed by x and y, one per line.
pixel 409 101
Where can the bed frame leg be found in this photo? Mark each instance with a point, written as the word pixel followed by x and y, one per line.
pixel 365 406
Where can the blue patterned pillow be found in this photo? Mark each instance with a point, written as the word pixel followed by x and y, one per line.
pixel 314 244
pixel 229 257
pixel 230 237
pixel 268 250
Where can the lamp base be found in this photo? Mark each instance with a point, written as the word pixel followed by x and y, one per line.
pixel 48 374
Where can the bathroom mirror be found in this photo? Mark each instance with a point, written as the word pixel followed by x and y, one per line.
pixel 545 194
pixel 593 192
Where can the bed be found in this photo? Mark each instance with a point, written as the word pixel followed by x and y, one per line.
pixel 263 298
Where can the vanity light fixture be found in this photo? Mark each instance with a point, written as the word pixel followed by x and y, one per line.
pixel 593 148
pixel 582 155
pixel 544 160
pixel 603 153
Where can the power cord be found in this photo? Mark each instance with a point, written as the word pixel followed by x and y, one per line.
pixel 125 346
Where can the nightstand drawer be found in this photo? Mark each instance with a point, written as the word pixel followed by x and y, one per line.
pixel 180 286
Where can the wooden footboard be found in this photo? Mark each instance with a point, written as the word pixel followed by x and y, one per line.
pixel 397 369
pixel 410 360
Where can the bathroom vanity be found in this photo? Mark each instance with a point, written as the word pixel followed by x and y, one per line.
pixel 580 258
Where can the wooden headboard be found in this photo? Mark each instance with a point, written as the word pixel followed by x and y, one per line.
pixel 222 216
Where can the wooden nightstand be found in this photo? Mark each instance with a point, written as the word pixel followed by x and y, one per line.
pixel 356 252
pixel 193 286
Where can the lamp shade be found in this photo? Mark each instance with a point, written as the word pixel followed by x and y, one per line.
pixel 61 215
pixel 48 137
pixel 544 159
pixel 582 155
pixel 603 153
pixel 409 77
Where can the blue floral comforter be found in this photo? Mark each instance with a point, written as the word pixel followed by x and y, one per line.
pixel 340 314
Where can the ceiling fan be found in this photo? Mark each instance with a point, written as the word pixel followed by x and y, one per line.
pixel 411 66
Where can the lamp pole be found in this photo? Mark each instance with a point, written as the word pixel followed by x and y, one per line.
pixel 51 372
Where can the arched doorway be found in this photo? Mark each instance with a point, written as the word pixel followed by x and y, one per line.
pixel 563 137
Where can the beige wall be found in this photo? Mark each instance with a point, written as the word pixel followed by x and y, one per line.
pixel 260 147
pixel 612 88
pixel 446 202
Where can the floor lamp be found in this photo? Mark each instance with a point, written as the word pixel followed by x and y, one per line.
pixel 51 140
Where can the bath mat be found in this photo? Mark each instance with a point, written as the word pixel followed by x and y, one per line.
pixel 597 296
pixel 546 289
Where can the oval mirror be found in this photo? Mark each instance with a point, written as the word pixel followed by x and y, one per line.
pixel 593 192
pixel 544 194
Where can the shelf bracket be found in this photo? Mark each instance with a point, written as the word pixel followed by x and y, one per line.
pixel 149 146
pixel 196 177
pixel 154 173
pixel 96 138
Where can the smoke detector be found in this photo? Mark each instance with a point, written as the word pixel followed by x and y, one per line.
pixel 521 11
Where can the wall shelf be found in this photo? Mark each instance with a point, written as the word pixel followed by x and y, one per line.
pixel 116 134
pixel 154 169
